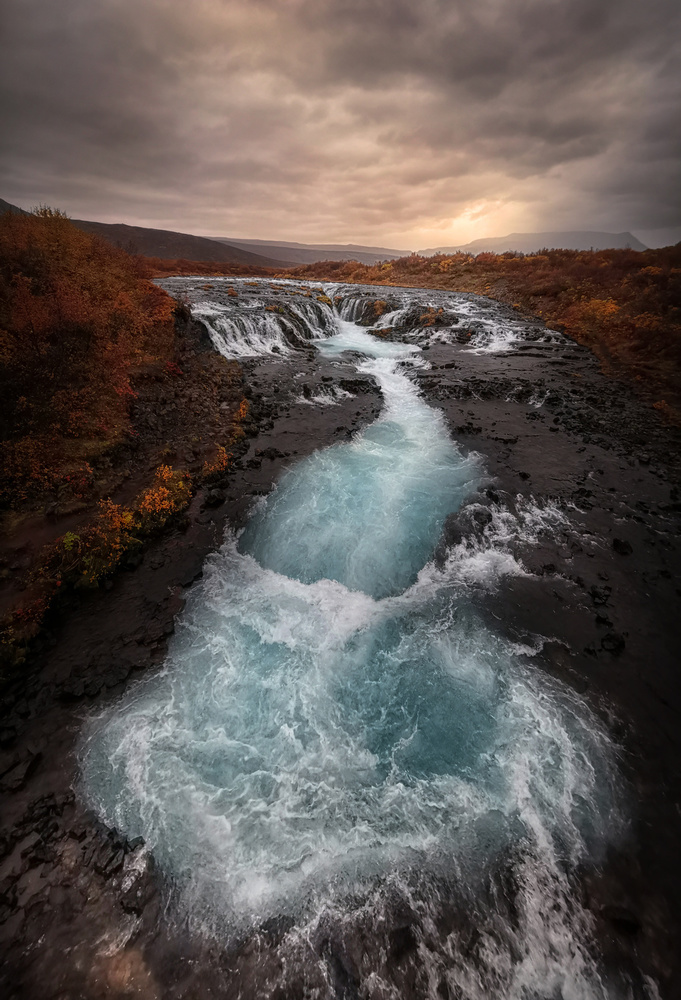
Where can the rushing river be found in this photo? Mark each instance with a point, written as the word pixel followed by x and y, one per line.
pixel 337 740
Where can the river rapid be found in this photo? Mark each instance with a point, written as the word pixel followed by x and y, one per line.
pixel 342 758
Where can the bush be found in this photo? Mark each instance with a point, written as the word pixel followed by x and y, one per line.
pixel 170 494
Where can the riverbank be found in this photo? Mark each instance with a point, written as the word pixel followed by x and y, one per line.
pixel 84 908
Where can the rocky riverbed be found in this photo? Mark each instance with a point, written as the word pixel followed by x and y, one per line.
pixel 85 911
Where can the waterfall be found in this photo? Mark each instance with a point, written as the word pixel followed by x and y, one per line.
pixel 337 737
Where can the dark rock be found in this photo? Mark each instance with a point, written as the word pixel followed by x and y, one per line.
pixel 214 498
pixel 622 918
pixel 482 517
pixel 622 547
pixel 17 777
pixel 133 560
pixel 274 928
pixel 116 674
pixel 8 898
pixel 613 643
pixel 600 595
pixel 271 453
pixel 8 735
pixel 159 627
pixel 93 686
pixel 109 860
pixel 402 942
pixel 137 896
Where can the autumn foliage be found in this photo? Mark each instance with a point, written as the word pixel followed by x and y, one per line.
pixel 169 494
pixel 76 316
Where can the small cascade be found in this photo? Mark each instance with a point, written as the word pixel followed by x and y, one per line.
pixel 249 318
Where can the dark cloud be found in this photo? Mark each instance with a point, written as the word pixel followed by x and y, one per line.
pixel 343 119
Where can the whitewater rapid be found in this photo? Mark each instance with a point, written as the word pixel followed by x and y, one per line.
pixel 337 735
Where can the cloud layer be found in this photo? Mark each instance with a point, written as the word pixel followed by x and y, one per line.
pixel 346 120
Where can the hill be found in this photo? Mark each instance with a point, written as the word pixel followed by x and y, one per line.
pixel 6 207
pixel 311 253
pixel 533 242
pixel 168 244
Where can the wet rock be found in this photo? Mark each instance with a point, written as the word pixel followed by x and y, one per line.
pixel 275 928
pixel 600 595
pixel 109 859
pixel 622 918
pixel 402 943
pixel 160 626
pixel 8 735
pixel 138 895
pixel 93 686
pixel 613 643
pixel 8 898
pixel 17 777
pixel 481 517
pixel 116 674
pixel 133 560
pixel 270 453
pixel 214 498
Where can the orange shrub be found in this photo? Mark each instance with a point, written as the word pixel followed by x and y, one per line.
pixel 218 466
pixel 170 493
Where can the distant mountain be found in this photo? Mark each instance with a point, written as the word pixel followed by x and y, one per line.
pixel 168 244
pixel 6 207
pixel 310 253
pixel 531 242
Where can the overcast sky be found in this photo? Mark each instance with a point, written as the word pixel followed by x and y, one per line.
pixel 405 123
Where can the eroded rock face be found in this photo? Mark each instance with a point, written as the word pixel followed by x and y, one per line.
pixel 84 909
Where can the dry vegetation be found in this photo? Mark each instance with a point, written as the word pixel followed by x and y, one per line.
pixel 77 316
pixel 623 304
pixel 160 267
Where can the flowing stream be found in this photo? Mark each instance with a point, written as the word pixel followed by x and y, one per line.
pixel 340 743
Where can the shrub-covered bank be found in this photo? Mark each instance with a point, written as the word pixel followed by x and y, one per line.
pixel 114 411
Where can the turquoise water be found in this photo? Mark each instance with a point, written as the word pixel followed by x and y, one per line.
pixel 334 713
pixel 369 513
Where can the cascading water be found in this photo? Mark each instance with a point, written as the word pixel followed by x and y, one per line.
pixel 337 738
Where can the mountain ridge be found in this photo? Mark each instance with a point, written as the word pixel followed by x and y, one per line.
pixel 313 253
pixel 170 244
pixel 576 239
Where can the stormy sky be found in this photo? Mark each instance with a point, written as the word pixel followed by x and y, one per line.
pixel 407 123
